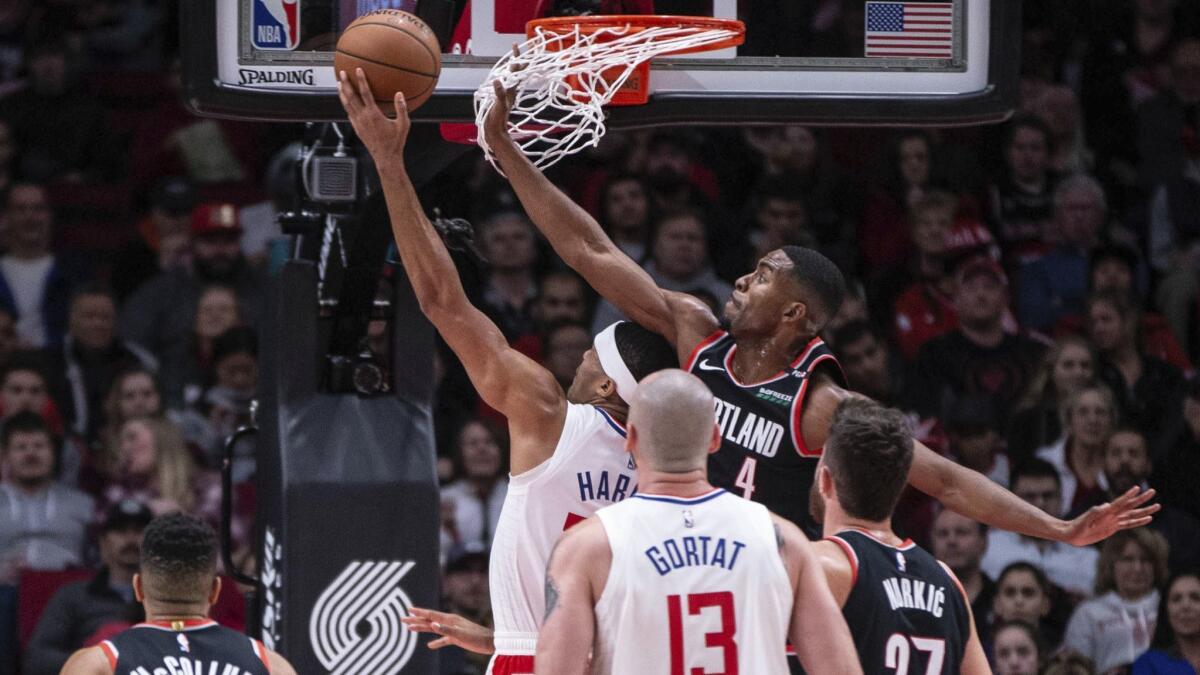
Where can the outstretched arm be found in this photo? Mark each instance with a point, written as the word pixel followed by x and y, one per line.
pixel 974 495
pixel 578 239
pixel 525 392
pixel 452 629
pixel 818 632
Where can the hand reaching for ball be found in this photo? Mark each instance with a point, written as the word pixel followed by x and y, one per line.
pixel 383 137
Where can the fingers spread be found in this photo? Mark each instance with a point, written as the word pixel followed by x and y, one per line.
pixel 364 89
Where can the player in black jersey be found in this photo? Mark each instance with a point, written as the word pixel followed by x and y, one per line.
pixel 775 382
pixel 177 585
pixel 906 610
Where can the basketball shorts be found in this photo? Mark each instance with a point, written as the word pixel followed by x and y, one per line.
pixel 503 664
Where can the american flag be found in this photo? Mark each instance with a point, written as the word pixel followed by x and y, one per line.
pixel 910 29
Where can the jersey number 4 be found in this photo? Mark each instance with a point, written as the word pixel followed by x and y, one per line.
pixel 745 477
pixel 897 653
pixel 722 639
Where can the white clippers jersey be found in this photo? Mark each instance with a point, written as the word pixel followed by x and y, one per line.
pixel 696 585
pixel 589 470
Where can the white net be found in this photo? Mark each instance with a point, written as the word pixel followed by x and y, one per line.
pixel 564 79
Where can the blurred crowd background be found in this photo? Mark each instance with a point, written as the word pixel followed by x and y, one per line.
pixel 1027 293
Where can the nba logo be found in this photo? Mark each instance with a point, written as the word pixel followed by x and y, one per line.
pixel 900 561
pixel 275 24
pixel 183 643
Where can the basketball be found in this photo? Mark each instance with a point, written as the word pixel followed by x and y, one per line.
pixel 397 52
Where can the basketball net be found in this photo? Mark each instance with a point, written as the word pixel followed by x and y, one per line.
pixel 565 75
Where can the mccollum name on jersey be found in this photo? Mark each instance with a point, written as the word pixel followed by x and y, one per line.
pixel 183 665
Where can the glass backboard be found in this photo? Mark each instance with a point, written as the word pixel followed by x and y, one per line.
pixel 805 61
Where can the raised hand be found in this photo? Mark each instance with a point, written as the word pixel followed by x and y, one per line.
pixel 1123 513
pixel 495 128
pixel 453 629
pixel 383 137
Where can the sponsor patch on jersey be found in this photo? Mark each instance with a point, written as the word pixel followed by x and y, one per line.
pixel 774 397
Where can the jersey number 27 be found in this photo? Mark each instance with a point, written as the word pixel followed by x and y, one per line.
pixel 722 639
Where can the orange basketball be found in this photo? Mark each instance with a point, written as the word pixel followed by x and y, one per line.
pixel 397 52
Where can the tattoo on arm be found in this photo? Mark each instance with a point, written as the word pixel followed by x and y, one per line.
pixel 778 537
pixel 551 588
pixel 551 596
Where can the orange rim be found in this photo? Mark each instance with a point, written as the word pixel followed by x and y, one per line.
pixel 591 24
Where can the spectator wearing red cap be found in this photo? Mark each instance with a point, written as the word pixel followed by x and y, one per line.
pixel 162 313
pixel 979 357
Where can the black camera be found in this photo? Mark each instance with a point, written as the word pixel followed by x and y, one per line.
pixel 365 374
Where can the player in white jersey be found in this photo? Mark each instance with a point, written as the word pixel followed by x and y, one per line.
pixel 567 452
pixel 683 577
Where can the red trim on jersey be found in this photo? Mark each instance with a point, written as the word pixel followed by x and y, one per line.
pixel 812 344
pixel 704 344
pixel 188 624
pixel 850 555
pixel 505 664
pixel 904 545
pixel 798 410
pixel 110 653
pixel 261 650
pixel 958 583
pixel 572 520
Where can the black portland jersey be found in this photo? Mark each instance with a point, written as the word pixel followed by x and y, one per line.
pixel 197 647
pixel 763 456
pixel 906 612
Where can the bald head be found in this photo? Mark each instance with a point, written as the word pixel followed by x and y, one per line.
pixel 671 421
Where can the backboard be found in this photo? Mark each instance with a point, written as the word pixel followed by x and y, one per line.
pixel 862 62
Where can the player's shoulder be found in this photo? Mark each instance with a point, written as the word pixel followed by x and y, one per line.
pixel 278 664
pixel 88 661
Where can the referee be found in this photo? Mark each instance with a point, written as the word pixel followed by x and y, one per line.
pixel 177 585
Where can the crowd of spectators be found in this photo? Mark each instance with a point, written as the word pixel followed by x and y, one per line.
pixel 1027 293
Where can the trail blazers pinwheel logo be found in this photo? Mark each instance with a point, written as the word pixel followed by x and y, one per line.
pixel 355 627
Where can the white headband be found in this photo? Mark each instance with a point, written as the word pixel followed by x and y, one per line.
pixel 612 363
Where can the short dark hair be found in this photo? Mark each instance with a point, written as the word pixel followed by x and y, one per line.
pixel 1122 302
pixel 1034 468
pixel 1025 628
pixel 236 340
pixel 821 276
pixel 1113 251
pixel 869 452
pixel 855 330
pixel 179 558
pixel 24 422
pixel 25 361
pixel 92 288
pixel 781 187
pixel 1039 576
pixel 1029 122
pixel 643 351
